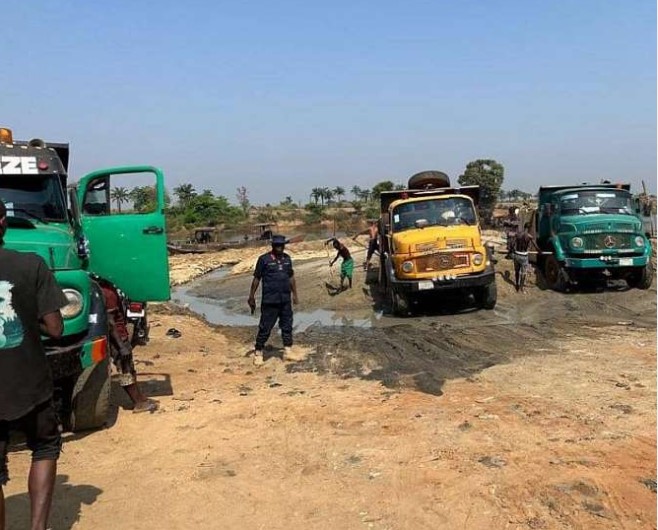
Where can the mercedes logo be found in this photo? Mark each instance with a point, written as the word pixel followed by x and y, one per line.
pixel 444 261
pixel 609 242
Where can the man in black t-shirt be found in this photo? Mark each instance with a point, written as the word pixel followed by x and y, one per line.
pixel 30 303
pixel 275 270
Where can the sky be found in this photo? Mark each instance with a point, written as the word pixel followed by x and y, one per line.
pixel 289 95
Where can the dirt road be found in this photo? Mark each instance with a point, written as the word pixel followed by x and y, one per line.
pixel 540 414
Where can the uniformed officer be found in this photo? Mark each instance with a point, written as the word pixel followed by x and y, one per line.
pixel 275 270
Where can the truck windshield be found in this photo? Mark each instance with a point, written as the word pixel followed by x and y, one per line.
pixel 434 212
pixel 37 197
pixel 588 202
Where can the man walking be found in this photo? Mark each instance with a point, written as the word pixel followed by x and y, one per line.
pixel 30 303
pixel 275 270
pixel 521 244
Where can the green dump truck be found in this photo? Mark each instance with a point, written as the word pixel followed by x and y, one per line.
pixel 80 237
pixel 588 233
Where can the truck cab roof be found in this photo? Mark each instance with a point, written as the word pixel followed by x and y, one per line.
pixel 576 187
pixel 50 158
pixel 387 198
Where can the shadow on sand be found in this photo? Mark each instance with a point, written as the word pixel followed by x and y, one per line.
pixel 67 504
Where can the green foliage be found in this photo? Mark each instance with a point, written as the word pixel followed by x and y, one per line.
pixel 184 193
pixel 287 203
pixel 372 211
pixel 144 199
pixel 377 189
pixel 339 192
pixel 120 195
pixel 196 209
pixel 489 175
pixel 243 199
pixel 314 215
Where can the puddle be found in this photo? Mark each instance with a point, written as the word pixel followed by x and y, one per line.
pixel 219 312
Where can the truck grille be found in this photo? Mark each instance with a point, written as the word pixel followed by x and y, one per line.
pixel 608 241
pixel 456 243
pixel 442 262
pixel 608 227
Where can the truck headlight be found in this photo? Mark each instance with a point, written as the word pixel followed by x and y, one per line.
pixel 639 241
pixel 577 242
pixel 477 259
pixel 74 307
pixel 408 266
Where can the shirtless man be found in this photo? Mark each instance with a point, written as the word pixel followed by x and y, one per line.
pixel 373 242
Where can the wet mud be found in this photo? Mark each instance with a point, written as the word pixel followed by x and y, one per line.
pixel 352 334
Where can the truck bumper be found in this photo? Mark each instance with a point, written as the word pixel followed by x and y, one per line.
pixel 606 262
pixel 72 354
pixel 70 360
pixel 461 282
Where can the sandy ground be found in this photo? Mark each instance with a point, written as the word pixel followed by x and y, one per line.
pixel 539 414
pixel 186 267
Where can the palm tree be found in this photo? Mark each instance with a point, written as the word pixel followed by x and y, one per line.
pixel 316 193
pixel 119 195
pixel 365 195
pixel 185 193
pixel 356 191
pixel 339 192
pixel 328 194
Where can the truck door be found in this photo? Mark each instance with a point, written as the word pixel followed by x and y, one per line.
pixel 128 245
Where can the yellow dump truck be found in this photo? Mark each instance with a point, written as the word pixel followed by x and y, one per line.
pixel 431 242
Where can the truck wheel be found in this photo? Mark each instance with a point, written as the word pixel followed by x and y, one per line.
pixel 90 401
pixel 641 278
pixel 381 278
pixel 425 179
pixel 487 296
pixel 553 274
pixel 399 303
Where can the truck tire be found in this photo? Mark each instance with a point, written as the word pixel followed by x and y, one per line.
pixel 487 296
pixel 553 274
pixel 381 278
pixel 425 179
pixel 90 400
pixel 399 303
pixel 641 278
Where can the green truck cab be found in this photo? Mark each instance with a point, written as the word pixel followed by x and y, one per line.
pixel 588 232
pixel 75 231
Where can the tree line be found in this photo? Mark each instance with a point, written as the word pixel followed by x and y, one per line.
pixel 205 208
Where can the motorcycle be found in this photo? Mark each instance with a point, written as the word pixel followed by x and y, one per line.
pixel 134 315
pixel 137 319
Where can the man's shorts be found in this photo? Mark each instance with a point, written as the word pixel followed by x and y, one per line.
pixel 347 268
pixel 373 246
pixel 520 259
pixel 41 428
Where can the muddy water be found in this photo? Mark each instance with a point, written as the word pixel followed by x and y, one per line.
pixel 353 335
pixel 231 310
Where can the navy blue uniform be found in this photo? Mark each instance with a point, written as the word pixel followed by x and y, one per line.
pixel 275 274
